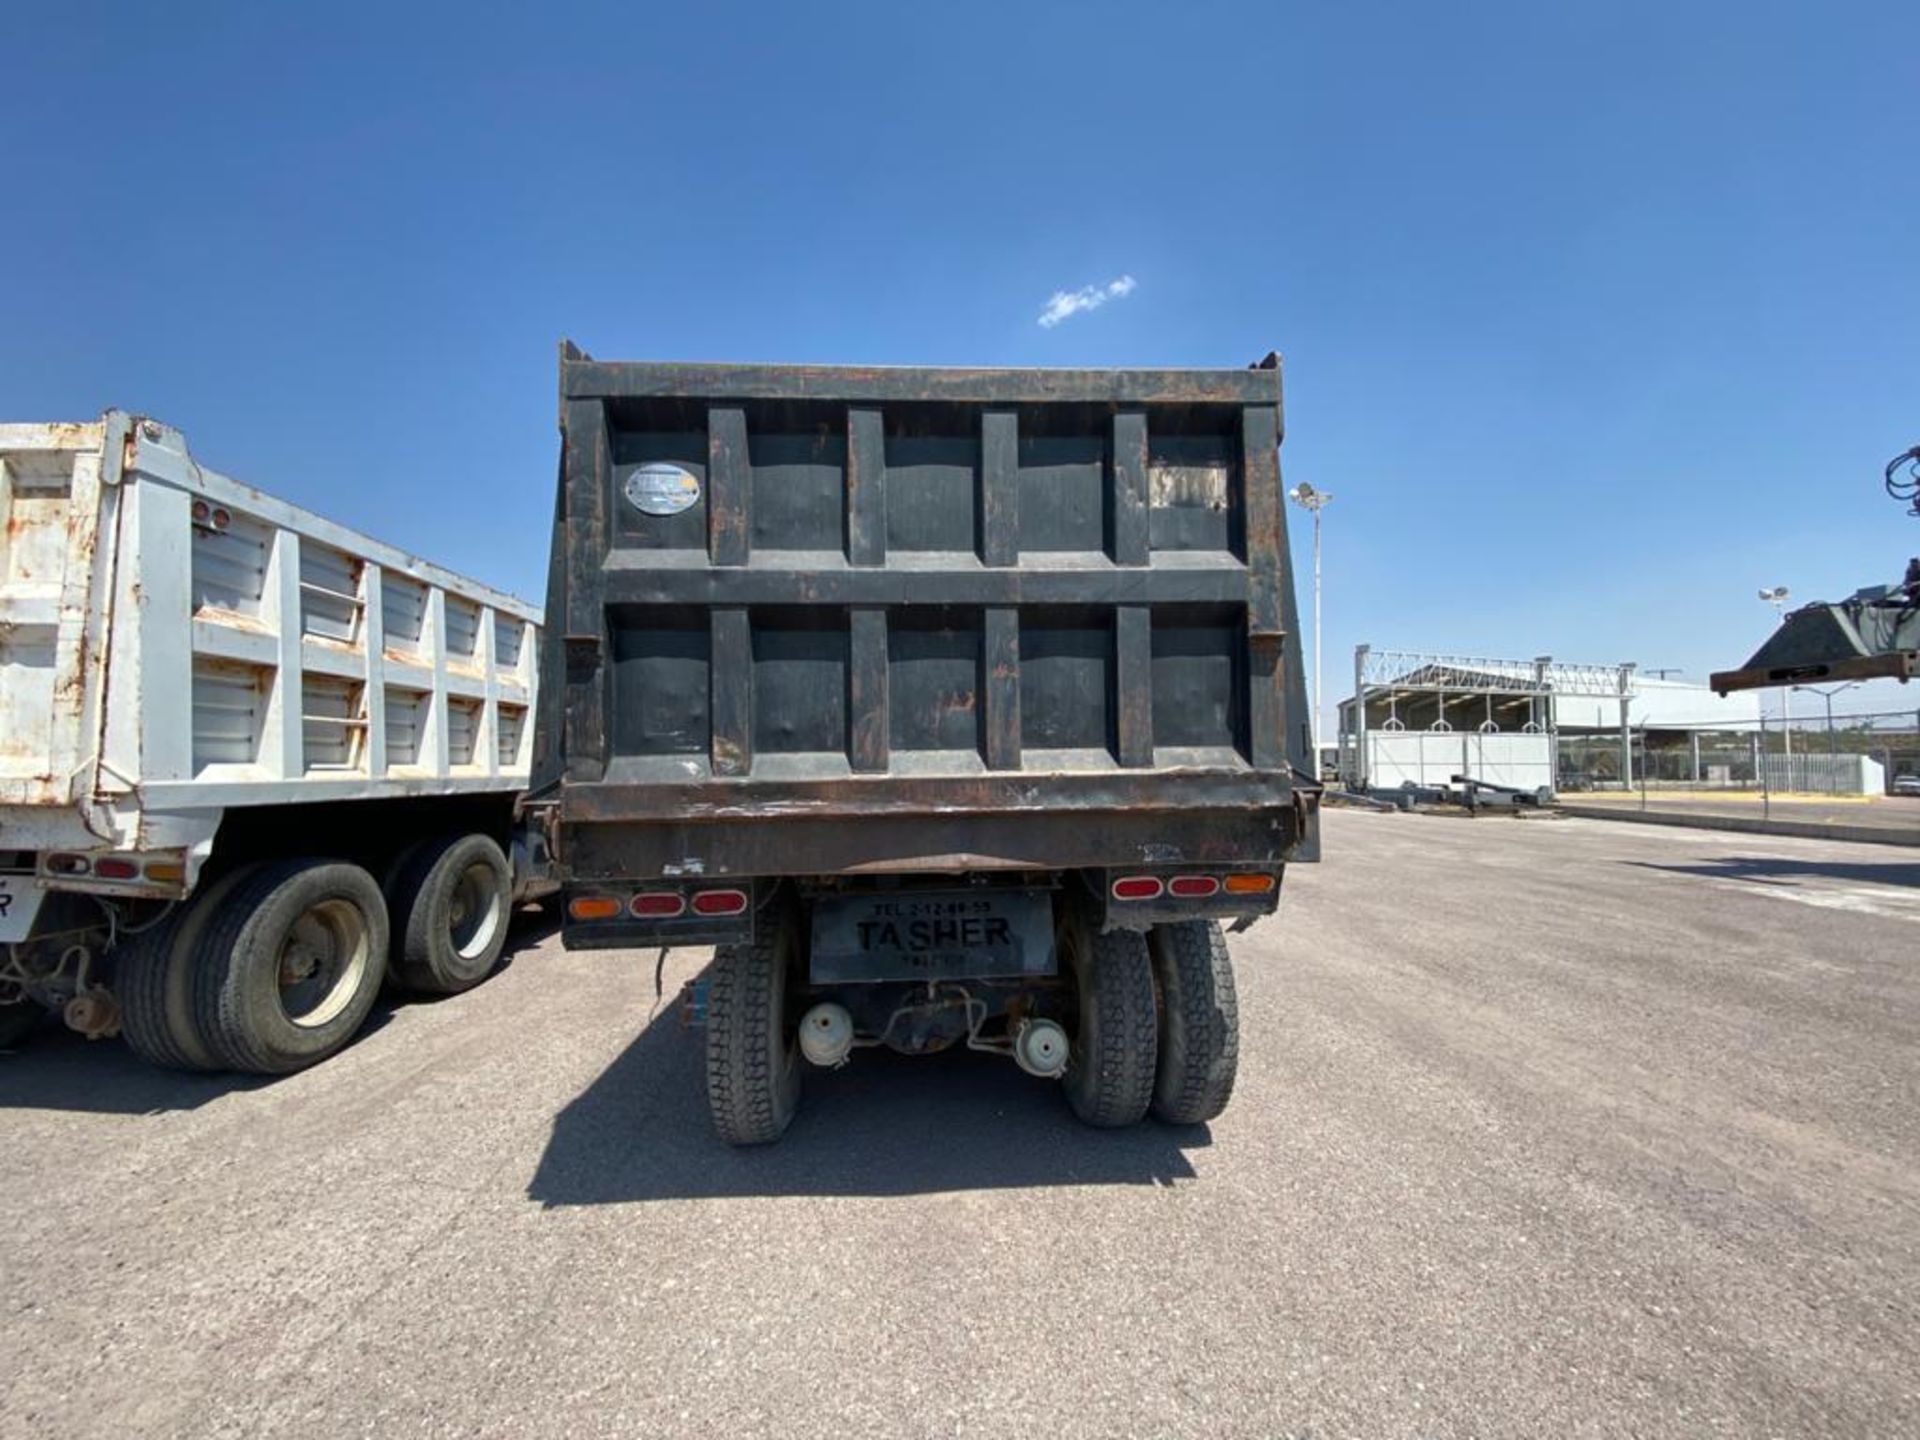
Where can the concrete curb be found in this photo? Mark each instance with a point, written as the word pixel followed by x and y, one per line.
pixel 1749 825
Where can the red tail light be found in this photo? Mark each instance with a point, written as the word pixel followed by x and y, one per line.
pixel 115 868
pixel 1137 887
pixel 719 902
pixel 657 904
pixel 1193 887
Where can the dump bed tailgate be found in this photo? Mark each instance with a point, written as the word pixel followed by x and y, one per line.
pixel 824 620
pixel 51 501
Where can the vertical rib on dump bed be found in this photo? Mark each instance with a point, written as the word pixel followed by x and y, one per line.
pixel 174 644
pixel 821 620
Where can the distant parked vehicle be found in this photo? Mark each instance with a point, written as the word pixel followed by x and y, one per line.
pixel 1906 784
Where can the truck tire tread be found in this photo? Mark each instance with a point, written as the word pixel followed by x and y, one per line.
pixel 1199 1022
pixel 424 960
pixel 153 981
pixel 141 981
pixel 225 1004
pixel 753 1076
pixel 1110 1073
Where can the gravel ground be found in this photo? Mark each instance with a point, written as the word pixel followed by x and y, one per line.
pixel 1544 1128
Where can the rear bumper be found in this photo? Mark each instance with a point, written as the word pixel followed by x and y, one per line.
pixel 886 826
pixel 57 851
pixel 615 838
pixel 625 930
pixel 651 934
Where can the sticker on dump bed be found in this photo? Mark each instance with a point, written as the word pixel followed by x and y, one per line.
pixel 662 489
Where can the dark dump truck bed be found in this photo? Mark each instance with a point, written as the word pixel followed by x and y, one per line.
pixel 827 630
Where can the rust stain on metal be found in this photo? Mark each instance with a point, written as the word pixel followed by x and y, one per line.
pixel 822 736
pixel 1203 485
pixel 232 619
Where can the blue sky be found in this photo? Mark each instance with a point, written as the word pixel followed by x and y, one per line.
pixel 1596 317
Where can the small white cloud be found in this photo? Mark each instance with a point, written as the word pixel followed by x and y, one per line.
pixel 1088 297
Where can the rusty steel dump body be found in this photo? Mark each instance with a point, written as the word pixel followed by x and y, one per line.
pixel 834 622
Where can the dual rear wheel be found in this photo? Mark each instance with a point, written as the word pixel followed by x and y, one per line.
pixel 1155 1027
pixel 1159 1024
pixel 274 966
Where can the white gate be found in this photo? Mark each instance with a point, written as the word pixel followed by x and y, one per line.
pixel 1431 758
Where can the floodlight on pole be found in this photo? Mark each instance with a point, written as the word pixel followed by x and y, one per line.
pixel 1313 502
pixel 1776 596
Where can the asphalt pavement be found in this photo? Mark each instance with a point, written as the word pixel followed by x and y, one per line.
pixel 1544 1127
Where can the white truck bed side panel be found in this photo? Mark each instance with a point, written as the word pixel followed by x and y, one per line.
pixel 175 643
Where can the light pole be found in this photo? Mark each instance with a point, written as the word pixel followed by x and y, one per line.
pixel 1827 695
pixel 1313 502
pixel 1776 596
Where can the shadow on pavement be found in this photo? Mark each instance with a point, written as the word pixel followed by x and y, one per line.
pixel 884 1125
pixel 55 1069
pixel 1778 871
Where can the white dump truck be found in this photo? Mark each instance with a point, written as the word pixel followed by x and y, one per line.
pixel 252 764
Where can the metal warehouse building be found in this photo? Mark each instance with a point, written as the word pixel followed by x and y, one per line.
pixel 1424 719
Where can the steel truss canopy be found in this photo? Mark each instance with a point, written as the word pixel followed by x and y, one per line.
pixel 1426 672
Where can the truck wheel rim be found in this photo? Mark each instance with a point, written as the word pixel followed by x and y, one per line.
pixel 323 961
pixel 474 912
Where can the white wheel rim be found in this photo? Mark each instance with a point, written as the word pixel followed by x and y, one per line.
pixel 475 910
pixel 322 963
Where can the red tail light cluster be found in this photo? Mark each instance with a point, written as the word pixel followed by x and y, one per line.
pixel 161 869
pixel 1190 887
pixel 660 904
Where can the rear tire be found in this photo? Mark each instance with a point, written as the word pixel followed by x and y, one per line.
pixel 153 982
pixel 290 966
pixel 1109 1079
pixel 753 1051
pixel 1199 1021
pixel 451 902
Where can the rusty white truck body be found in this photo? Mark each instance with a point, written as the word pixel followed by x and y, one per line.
pixel 178 649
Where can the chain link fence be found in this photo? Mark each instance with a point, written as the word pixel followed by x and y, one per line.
pixel 1850 754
